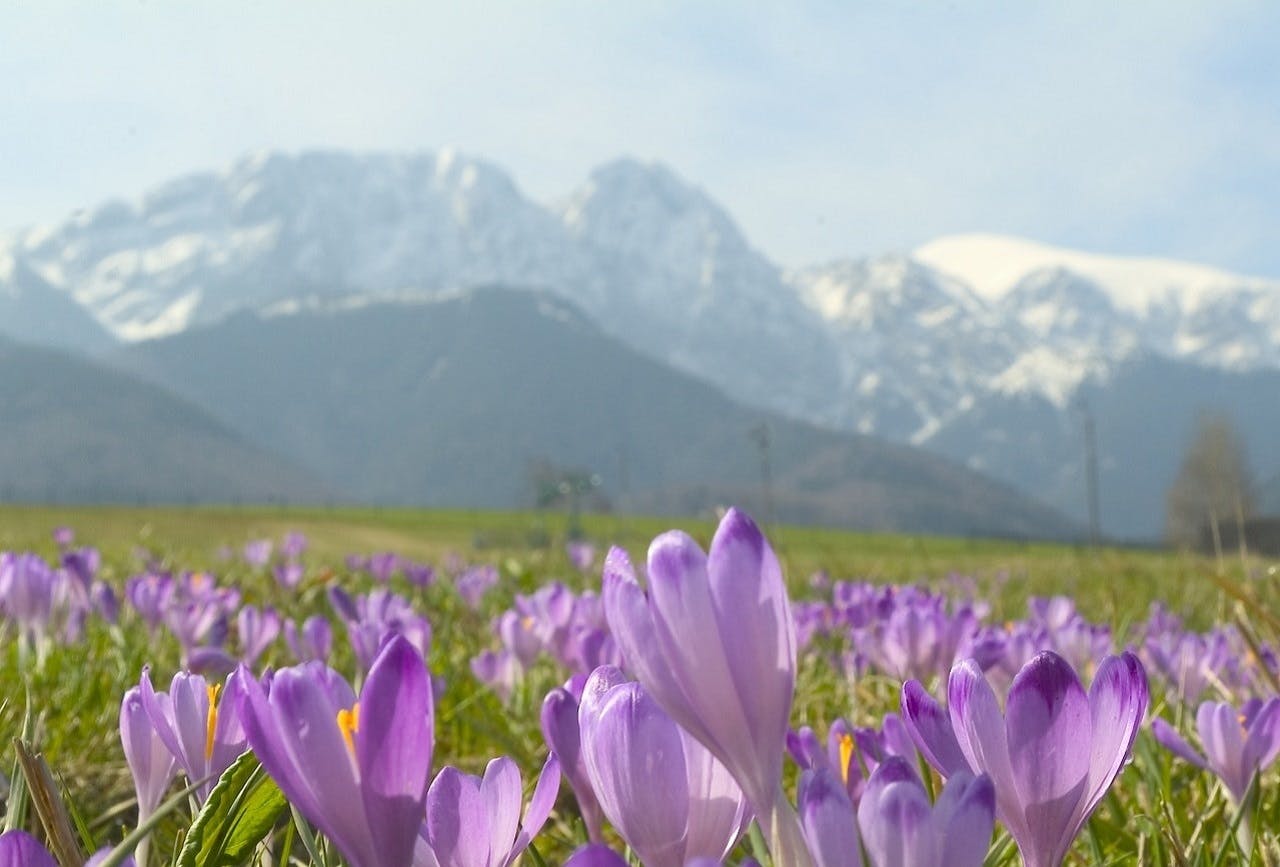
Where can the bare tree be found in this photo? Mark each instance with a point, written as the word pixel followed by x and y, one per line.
pixel 1213 486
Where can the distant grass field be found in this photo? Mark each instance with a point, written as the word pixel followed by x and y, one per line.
pixel 71 704
pixel 1109 584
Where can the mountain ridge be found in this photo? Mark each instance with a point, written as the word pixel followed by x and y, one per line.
pixel 906 346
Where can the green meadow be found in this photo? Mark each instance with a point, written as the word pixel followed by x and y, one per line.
pixel 1160 811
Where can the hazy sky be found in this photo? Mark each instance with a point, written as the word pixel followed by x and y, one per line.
pixel 826 129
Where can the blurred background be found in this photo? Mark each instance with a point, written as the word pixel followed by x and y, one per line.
pixel 960 268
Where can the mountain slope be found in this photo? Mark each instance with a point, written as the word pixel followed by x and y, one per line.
pixel 33 311
pixel 452 402
pixel 73 432
pixel 1145 413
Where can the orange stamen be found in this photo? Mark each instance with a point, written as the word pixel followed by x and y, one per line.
pixel 349 724
pixel 211 720
pixel 846 753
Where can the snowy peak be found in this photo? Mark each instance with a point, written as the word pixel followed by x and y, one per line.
pixel 643 209
pixel 994 264
pixel 865 292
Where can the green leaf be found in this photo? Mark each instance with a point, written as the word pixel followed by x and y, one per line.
pixel 241 809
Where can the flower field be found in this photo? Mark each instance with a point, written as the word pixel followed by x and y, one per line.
pixel 390 688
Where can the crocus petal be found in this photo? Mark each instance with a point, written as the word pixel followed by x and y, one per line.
pixel 965 815
pixel 717 809
pixel 540 804
pixel 635 758
pixel 930 728
pixel 595 855
pixel 632 623
pixel 189 695
pixel 500 788
pixel 457 820
pixel 980 732
pixel 393 748
pixel 693 644
pixel 827 819
pixel 895 824
pixel 1117 702
pixel 20 849
pixel 757 629
pixel 1263 741
pixel 1223 740
pixel 294 732
pixel 560 729
pixel 1169 738
pixel 152 765
pixel 1047 714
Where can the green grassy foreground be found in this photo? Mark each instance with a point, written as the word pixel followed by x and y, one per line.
pixel 71 704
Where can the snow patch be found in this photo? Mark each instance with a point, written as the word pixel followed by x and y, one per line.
pixel 172 319
pixel 993 264
pixel 1042 371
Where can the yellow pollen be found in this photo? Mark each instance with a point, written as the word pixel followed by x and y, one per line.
pixel 526 622
pixel 846 753
pixel 349 724
pixel 211 722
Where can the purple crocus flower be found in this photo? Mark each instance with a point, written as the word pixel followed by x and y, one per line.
pixel 20 849
pixel 26 593
pixel 357 770
pixel 519 635
pixel 199 723
pixel 150 761
pixel 149 595
pixel 901 829
pixel 372 618
pixel 258 631
pixel 257 553
pixel 581 555
pixel 475 582
pixel 499 670
pixel 560 729
pixel 665 793
pixel 314 641
pixel 384 566
pixel 104 601
pixel 293 545
pixel 418 574
pixel 475 821
pixel 288 574
pixel 1051 755
pixel 827 817
pixel 1237 744
pixel 714 643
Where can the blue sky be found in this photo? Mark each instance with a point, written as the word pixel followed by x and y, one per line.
pixel 827 129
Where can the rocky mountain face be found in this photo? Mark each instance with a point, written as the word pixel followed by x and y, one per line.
pixel 954 346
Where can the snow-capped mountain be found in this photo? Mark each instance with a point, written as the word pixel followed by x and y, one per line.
pixel 650 257
pixel 916 347
pixel 1174 309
